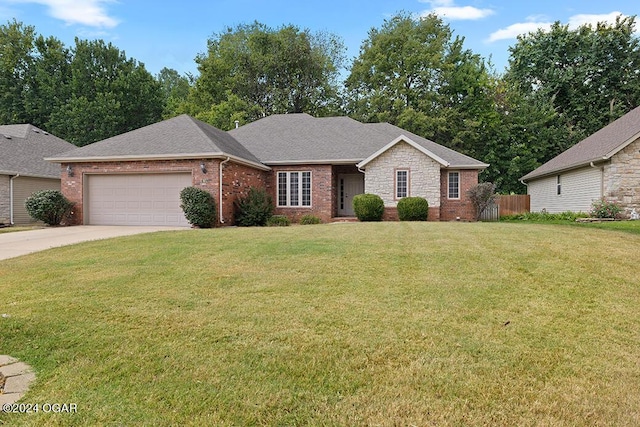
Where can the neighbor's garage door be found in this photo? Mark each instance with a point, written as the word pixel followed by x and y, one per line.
pixel 143 199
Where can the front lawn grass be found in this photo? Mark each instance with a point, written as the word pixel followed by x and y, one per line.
pixel 340 324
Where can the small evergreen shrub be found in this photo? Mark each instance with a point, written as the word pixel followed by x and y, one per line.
pixel 413 209
pixel 544 216
pixel 604 209
pixel 254 209
pixel 309 220
pixel 198 206
pixel 278 221
pixel 368 207
pixel 48 206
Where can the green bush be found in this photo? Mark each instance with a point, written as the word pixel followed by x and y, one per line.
pixel 48 206
pixel 198 206
pixel 278 221
pixel 413 209
pixel 544 216
pixel 604 209
pixel 368 207
pixel 254 209
pixel 309 220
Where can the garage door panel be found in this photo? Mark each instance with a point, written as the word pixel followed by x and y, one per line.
pixel 136 199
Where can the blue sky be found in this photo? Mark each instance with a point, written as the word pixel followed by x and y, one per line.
pixel 171 33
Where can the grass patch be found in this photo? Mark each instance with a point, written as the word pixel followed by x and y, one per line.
pixel 343 324
pixel 18 228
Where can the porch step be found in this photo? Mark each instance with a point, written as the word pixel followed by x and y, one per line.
pixel 344 219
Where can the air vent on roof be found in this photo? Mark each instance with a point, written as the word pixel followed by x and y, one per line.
pixel 36 130
pixel 7 136
pixel 46 133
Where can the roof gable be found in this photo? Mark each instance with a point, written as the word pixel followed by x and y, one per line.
pixel 601 145
pixel 178 137
pixel 402 138
pixel 24 148
pixel 301 138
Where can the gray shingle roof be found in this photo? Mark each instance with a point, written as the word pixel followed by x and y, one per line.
pixel 23 149
pixel 181 136
pixel 595 148
pixel 299 138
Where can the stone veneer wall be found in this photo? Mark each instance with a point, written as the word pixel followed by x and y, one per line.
pixel 622 178
pixel 5 199
pixel 424 176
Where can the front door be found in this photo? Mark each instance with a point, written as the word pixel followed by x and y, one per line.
pixel 349 185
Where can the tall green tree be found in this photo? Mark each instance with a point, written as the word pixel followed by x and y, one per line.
pixel 16 67
pixel 253 71
pixel 108 94
pixel 589 74
pixel 175 90
pixel 414 73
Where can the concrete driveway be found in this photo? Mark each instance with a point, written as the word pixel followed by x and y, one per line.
pixel 19 243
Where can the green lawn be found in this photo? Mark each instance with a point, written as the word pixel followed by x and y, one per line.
pixel 341 324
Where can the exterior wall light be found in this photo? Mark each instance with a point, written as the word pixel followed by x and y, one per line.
pixel 203 167
pixel 69 170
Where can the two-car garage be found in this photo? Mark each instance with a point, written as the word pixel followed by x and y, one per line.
pixel 135 199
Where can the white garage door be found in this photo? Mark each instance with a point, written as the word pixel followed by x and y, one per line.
pixel 143 199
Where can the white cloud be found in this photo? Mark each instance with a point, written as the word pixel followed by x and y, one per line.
pixel 514 30
pixel 575 21
pixel 91 13
pixel 448 9
pixel 579 20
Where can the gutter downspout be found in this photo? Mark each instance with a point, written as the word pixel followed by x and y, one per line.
pixel 220 192
pixel 11 198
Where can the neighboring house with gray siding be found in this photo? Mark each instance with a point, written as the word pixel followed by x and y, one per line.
pixel 605 164
pixel 23 169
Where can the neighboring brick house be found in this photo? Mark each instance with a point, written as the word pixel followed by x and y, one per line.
pixel 309 165
pixel 605 164
pixel 23 169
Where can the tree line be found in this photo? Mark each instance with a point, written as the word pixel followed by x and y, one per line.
pixel 560 85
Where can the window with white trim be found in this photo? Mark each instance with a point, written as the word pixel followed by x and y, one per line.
pixel 402 183
pixel 558 186
pixel 294 189
pixel 454 185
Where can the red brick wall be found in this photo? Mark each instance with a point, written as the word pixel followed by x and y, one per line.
pixel 391 214
pixel 236 179
pixel 450 209
pixel 323 203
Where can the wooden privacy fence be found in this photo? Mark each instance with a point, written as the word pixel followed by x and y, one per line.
pixel 507 205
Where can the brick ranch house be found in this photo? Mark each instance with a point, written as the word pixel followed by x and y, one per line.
pixel 605 164
pixel 309 166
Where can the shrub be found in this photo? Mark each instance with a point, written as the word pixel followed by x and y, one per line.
pixel 198 206
pixel 278 221
pixel 309 220
pixel 481 196
pixel 48 206
pixel 413 209
pixel 604 209
pixel 254 209
pixel 368 207
pixel 544 216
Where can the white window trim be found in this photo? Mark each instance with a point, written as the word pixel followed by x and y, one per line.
pixel 449 185
pixel 288 189
pixel 558 186
pixel 395 190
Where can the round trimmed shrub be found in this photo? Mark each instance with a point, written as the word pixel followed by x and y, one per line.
pixel 198 206
pixel 309 220
pixel 278 221
pixel 48 206
pixel 254 209
pixel 368 207
pixel 413 209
